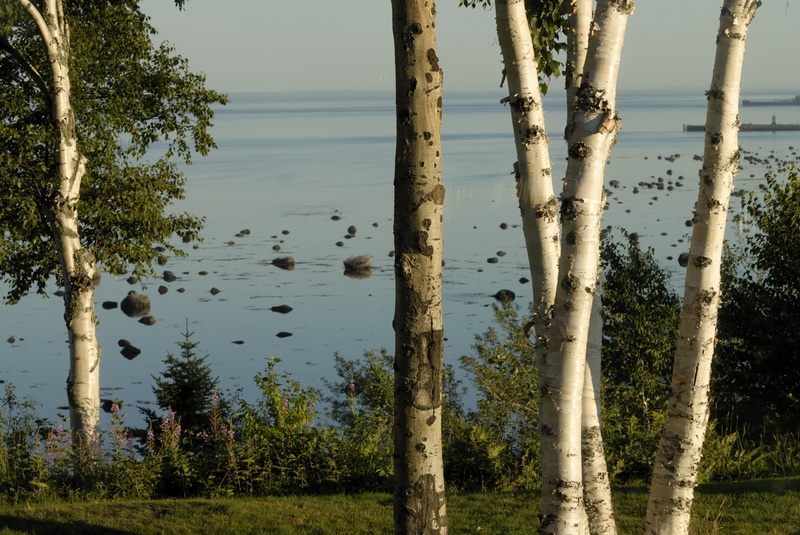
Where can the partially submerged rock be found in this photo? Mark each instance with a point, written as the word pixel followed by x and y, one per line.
pixel 505 295
pixel 130 352
pixel 358 267
pixel 286 262
pixel 135 305
pixel 357 263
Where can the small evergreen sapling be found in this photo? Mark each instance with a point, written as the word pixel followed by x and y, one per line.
pixel 186 387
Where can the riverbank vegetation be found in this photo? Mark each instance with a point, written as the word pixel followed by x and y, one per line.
pixel 296 440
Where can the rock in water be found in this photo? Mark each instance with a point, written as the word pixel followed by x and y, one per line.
pixel 505 295
pixel 283 309
pixel 135 305
pixel 147 320
pixel 286 262
pixel 357 263
pixel 130 352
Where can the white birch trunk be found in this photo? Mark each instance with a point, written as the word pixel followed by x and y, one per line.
pixel 680 448
pixel 596 484
pixel 578 27
pixel 77 264
pixel 537 202
pixel 419 499
pixel 595 127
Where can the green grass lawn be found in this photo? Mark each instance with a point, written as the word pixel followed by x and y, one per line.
pixel 752 507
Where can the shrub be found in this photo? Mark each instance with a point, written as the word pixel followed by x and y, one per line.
pixel 640 327
pixel 757 368
pixel 498 444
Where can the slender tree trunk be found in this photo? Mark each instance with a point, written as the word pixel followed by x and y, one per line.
pixel 594 129
pixel 537 202
pixel 597 487
pixel 77 264
pixel 680 448
pixel 596 484
pixel 419 497
pixel 577 28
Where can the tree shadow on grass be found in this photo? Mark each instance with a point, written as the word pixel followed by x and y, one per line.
pixel 51 527
pixel 764 486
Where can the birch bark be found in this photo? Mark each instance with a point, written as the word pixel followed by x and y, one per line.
pixel 680 448
pixel 596 484
pixel 577 28
pixel 537 202
pixel 78 265
pixel 419 497
pixel 591 137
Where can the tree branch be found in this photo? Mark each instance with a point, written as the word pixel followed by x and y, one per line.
pixel 28 68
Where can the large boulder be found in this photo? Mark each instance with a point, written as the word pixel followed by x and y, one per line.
pixel 358 266
pixel 286 263
pixel 135 305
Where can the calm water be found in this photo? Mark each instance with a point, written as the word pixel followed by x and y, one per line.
pixel 287 163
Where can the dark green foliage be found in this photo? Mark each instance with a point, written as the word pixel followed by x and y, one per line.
pixel 756 385
pixel 281 448
pixel 362 408
pixel 640 327
pixel 139 110
pixel 364 386
pixel 277 446
pixel 186 387
pixel 20 430
pixel 547 32
pixel 498 445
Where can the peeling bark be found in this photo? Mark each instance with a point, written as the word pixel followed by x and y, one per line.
pixel 590 136
pixel 596 484
pixel 537 201
pixel 419 497
pixel 78 265
pixel 680 448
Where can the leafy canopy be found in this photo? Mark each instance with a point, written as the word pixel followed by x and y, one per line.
pixel 547 31
pixel 139 112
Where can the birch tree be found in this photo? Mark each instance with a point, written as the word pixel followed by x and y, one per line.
pixel 537 201
pixel 419 495
pixel 540 225
pixel 78 265
pixel 679 451
pixel 76 197
pixel 593 133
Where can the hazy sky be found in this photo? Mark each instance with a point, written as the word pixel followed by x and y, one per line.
pixel 272 45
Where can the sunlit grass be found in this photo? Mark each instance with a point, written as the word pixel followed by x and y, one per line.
pixel 762 507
